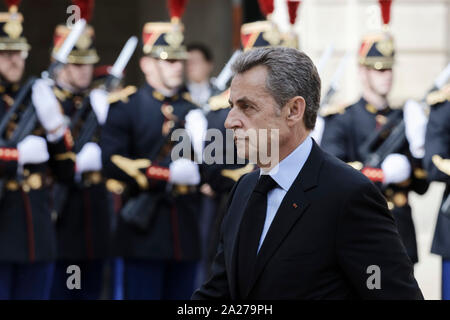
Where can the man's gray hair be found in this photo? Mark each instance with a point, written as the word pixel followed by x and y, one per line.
pixel 291 73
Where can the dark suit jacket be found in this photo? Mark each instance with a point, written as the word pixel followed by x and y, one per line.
pixel 331 226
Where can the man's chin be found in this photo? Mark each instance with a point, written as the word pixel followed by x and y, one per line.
pixel 13 78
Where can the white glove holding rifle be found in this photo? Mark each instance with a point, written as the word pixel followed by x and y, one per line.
pixel 48 110
pixel 32 150
pixel 185 172
pixel 100 104
pixel 415 127
pixel 396 168
pixel 196 126
pixel 89 158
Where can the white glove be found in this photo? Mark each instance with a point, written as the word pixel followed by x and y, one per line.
pixel 100 104
pixel 47 106
pixel 89 158
pixel 396 168
pixel 32 150
pixel 317 133
pixel 415 127
pixel 196 126
pixel 184 171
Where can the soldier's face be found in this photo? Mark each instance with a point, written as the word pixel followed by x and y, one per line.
pixel 379 81
pixel 198 69
pixel 12 65
pixel 171 73
pixel 253 108
pixel 79 76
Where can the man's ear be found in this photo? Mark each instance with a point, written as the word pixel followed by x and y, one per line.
pixel 295 110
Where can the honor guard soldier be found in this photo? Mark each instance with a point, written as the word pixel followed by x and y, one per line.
pixel 437 163
pixel 157 233
pixel 81 202
pixel 27 237
pixel 363 135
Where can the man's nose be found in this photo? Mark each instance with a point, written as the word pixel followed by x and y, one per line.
pixel 232 121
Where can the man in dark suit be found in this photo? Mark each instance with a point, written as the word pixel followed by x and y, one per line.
pixel 306 226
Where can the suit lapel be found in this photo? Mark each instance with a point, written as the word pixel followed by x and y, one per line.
pixel 293 206
pixel 237 208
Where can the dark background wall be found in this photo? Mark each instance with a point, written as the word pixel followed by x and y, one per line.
pixel 207 21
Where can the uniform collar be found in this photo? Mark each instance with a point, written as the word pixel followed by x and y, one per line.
pixel 372 109
pixel 63 93
pixel 182 93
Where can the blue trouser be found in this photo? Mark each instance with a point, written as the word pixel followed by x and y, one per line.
pixel 28 281
pixel 116 279
pixel 158 280
pixel 91 281
pixel 445 279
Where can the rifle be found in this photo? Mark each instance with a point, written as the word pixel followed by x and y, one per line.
pixel 224 76
pixel 23 95
pixel 397 136
pixel 395 128
pixel 446 206
pixel 325 57
pixel 334 85
pixel 112 82
pixel 90 125
pixel 28 119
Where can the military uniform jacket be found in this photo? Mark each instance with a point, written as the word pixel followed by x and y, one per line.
pixel 136 128
pixel 26 229
pixel 83 226
pixel 437 153
pixel 343 136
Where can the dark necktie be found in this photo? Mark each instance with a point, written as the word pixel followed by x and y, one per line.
pixel 250 231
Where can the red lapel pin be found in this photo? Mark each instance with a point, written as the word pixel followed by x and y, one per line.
pixel 295 205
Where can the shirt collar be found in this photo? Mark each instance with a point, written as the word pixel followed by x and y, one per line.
pixel 288 169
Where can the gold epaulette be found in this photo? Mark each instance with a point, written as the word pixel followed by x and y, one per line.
pixel 61 95
pixel 235 174
pixel 132 168
pixel 187 96
pixel 442 164
pixel 121 95
pixel 334 109
pixel 439 96
pixel 220 101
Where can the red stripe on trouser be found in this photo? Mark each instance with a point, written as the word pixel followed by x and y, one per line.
pixel 88 224
pixel 30 227
pixel 175 234
pixel 117 203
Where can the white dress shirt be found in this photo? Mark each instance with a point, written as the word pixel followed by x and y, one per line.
pixel 284 174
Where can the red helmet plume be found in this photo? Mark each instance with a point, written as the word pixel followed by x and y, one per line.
pixel 86 8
